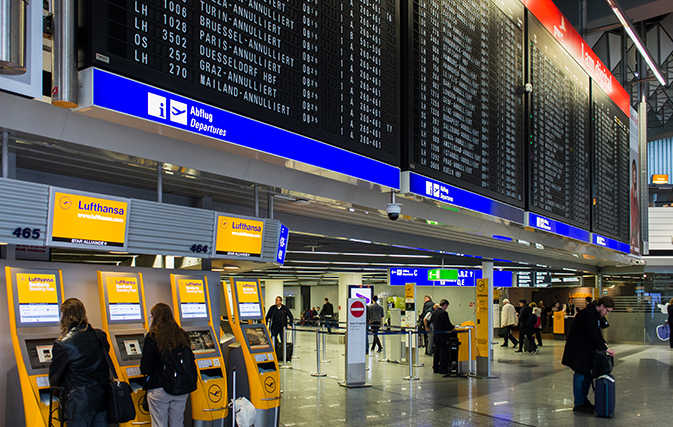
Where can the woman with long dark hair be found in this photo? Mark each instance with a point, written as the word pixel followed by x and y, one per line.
pixel 79 366
pixel 164 336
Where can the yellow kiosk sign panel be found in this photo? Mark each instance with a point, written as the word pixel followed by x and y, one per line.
pixel 38 298
pixel 123 298
pixel 239 237
pixel 83 220
pixel 192 299
pixel 249 302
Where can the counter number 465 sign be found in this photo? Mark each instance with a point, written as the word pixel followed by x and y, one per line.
pixel 27 233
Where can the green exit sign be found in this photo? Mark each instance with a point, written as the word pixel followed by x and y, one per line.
pixel 442 274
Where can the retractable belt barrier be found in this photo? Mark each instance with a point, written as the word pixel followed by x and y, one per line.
pixel 409 332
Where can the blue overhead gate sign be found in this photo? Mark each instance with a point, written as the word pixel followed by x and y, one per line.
pixel 419 276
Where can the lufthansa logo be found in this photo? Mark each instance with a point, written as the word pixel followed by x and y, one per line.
pixel 142 405
pixel 215 393
pixel 224 224
pixel 270 385
pixel 481 285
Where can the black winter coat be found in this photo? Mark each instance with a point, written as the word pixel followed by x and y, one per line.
pixel 526 311
pixel 150 364
pixel 440 322
pixel 584 337
pixel 79 366
pixel 280 317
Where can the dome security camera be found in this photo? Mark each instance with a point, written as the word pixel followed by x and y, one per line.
pixel 393 210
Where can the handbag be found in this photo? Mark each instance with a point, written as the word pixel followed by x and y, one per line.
pixel 502 333
pixel 602 363
pixel 120 403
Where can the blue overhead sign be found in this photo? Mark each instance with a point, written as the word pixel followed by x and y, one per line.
pixel 146 102
pixel 282 244
pixel 613 244
pixel 401 276
pixel 556 227
pixel 446 193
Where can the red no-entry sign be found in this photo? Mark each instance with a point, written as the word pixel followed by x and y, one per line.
pixel 357 309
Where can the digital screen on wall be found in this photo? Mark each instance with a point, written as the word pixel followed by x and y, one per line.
pixel 325 70
pixel 466 104
pixel 38 298
pixel 86 221
pixel 123 298
pixel 238 237
pixel 560 138
pixel 612 174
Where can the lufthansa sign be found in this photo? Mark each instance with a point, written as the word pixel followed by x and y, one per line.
pixel 84 220
pixel 239 237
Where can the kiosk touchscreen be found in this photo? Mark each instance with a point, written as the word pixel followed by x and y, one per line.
pixel 34 299
pixel 191 305
pixel 250 351
pixel 122 299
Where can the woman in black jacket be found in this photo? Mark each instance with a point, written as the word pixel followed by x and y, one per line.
pixel 79 366
pixel 164 335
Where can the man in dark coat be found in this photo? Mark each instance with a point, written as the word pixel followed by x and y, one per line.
pixel 525 329
pixel 280 317
pixel 327 314
pixel 440 321
pixel 585 337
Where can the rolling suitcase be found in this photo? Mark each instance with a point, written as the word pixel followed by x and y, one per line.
pixel 288 351
pixel 604 396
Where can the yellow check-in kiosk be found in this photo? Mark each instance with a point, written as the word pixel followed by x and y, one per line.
pixel 191 305
pixel 34 298
pixel 122 299
pixel 249 349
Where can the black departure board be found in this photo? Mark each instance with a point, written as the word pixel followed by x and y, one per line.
pixel 325 70
pixel 611 207
pixel 464 94
pixel 560 132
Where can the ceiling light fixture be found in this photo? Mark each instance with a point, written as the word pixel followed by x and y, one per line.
pixel 628 27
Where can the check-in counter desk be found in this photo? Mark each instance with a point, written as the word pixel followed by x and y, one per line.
pixel 466 337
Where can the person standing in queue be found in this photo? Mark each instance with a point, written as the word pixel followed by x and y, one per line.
pixel 525 328
pixel 79 365
pixel 327 314
pixel 375 317
pixel 442 324
pixel 164 336
pixel 428 305
pixel 585 337
pixel 508 320
pixel 280 317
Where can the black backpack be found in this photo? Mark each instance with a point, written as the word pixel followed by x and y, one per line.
pixel 179 371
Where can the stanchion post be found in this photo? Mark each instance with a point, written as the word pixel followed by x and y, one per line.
pixel 294 343
pixel 317 352
pixel 411 376
pixel 418 355
pixel 284 344
pixel 233 398
pixel 469 349
pixel 383 348
pixel 324 345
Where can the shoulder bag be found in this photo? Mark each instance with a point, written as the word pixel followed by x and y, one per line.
pixel 120 403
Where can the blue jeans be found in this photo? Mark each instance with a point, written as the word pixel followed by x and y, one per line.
pixel 581 384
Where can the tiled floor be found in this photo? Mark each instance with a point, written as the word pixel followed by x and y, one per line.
pixel 529 389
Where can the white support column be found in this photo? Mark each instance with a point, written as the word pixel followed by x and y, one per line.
pixel 345 280
pixel 272 289
pixel 484 364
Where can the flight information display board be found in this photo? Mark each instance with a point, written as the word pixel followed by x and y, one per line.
pixel 611 209
pixel 466 95
pixel 325 70
pixel 560 144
